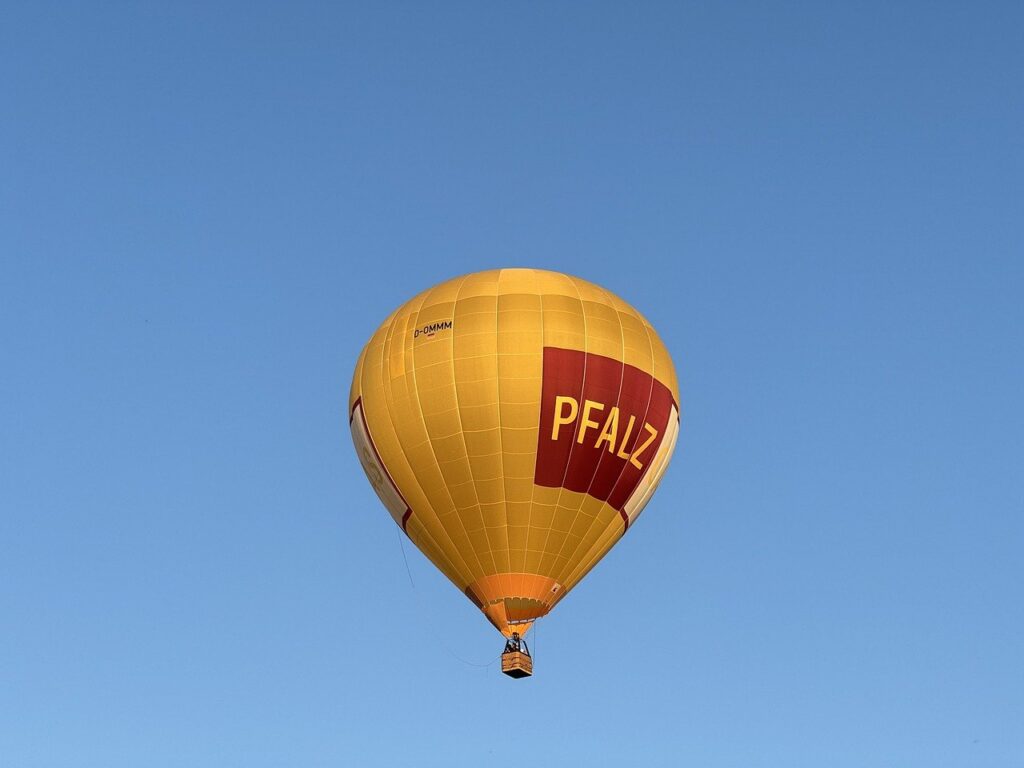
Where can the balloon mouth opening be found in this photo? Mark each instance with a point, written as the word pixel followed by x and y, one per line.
pixel 512 602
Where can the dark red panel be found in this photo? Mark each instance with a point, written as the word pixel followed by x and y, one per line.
pixel 626 417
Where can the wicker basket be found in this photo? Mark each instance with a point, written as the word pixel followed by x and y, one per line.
pixel 516 664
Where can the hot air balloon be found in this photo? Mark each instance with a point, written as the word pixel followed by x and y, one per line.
pixel 515 423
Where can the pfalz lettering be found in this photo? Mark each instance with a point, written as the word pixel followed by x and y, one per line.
pixel 567 412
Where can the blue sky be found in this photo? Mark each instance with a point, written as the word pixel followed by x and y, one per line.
pixel 205 210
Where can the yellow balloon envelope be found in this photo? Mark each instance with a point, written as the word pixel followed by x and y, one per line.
pixel 515 423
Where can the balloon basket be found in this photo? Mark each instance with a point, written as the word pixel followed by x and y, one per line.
pixel 516 660
pixel 516 664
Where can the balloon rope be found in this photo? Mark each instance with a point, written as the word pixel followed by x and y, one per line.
pixel 406 561
pixel 536 630
pixel 419 609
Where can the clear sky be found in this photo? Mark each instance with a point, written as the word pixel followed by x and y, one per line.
pixel 206 209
